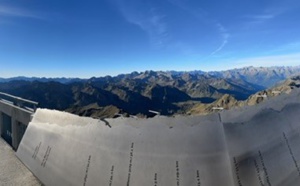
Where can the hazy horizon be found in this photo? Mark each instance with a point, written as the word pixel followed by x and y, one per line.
pixel 21 76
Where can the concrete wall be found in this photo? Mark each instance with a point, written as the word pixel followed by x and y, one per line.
pixel 18 115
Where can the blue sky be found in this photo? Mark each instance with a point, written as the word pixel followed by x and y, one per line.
pixel 72 38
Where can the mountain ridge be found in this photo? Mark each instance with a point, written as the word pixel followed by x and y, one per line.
pixel 137 93
pixel 244 73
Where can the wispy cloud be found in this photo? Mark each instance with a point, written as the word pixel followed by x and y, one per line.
pixel 17 12
pixel 225 37
pixel 257 19
pixel 262 16
pixel 268 13
pixel 156 27
pixel 149 18
pixel 153 19
pixel 203 16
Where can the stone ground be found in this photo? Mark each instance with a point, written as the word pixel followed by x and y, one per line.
pixel 12 171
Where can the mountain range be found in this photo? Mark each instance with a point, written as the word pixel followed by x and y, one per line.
pixel 167 92
pixel 227 101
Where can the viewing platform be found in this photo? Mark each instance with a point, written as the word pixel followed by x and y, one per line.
pixel 15 114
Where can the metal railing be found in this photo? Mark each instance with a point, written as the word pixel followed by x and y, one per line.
pixel 18 101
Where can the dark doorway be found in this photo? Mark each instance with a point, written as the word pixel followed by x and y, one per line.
pixel 6 129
